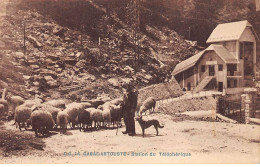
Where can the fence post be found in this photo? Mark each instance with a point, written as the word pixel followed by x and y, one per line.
pixel 243 98
pixel 217 104
pixel 251 94
pixel 247 110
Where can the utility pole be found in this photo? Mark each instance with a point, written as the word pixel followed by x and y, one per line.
pixel 81 37
pixel 189 32
pixel 82 27
pixel 138 30
pixel 135 4
pixel 6 3
pixel 24 36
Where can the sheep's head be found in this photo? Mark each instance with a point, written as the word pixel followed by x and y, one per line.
pixel 8 98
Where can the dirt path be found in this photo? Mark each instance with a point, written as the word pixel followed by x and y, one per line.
pixel 207 142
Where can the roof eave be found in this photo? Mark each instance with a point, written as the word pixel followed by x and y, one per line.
pixel 257 37
pixel 183 69
pixel 232 62
pixel 211 42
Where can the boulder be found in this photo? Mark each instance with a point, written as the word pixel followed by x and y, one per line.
pixel 70 61
pixel 27 77
pixel 58 70
pixel 19 55
pixel 32 62
pixel 59 31
pixel 46 36
pixel 46 72
pixel 129 69
pixel 48 78
pixel 54 57
pixel 34 41
pixel 79 55
pixel 114 82
pixel 36 83
pixel 52 84
pixel 81 64
pixel 34 67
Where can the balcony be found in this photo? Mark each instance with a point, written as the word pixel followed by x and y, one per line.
pixel 234 74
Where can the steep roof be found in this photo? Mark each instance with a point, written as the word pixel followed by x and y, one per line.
pixel 229 31
pixel 188 63
pixel 220 50
pixel 223 53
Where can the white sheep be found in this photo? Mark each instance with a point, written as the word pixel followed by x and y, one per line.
pixel 106 105
pixel 62 121
pixel 53 110
pixel 117 101
pixel 31 103
pixel 59 103
pixel 113 107
pixel 86 105
pixel 96 116
pixel 22 115
pixel 73 110
pixel 14 101
pixel 148 104
pixel 96 102
pixel 41 122
pixel 116 114
pixel 106 117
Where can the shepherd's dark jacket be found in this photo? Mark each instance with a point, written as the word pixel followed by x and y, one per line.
pixel 130 101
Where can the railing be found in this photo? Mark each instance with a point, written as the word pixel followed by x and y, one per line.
pixel 233 73
pixel 232 110
pixel 204 75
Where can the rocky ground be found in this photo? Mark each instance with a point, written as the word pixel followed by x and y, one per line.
pixel 54 63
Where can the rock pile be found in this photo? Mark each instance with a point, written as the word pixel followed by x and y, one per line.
pixel 64 60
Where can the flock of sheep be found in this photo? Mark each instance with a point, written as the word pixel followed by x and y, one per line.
pixel 44 116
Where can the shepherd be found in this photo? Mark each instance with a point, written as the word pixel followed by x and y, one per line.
pixel 129 108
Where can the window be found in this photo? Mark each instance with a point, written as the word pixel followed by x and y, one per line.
pixel 232 83
pixel 232 67
pixel 235 83
pixel 211 70
pixel 220 67
pixel 203 68
pixel 228 83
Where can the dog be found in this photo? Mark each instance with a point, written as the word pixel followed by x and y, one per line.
pixel 146 124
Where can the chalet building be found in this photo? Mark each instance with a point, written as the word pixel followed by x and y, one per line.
pixel 228 64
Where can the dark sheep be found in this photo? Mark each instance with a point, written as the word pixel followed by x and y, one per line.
pixel 41 122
